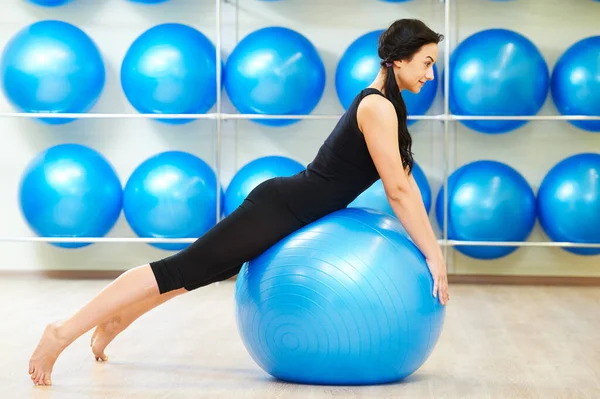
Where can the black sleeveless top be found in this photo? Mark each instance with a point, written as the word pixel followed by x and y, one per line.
pixel 340 172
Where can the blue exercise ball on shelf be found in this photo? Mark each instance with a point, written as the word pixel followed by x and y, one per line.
pixel 171 69
pixel 569 202
pixel 52 66
pixel 255 172
pixel 275 71
pixel 359 66
pixel 70 190
pixel 497 72
pixel 375 197
pixel 49 3
pixel 171 195
pixel 575 83
pixel 487 201
pixel 345 300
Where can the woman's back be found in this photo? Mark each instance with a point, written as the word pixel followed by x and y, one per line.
pixel 341 170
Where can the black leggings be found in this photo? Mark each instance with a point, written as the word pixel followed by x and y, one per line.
pixel 257 224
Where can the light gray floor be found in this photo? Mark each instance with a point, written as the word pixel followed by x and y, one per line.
pixel 498 342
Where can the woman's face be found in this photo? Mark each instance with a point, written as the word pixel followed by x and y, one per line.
pixel 412 75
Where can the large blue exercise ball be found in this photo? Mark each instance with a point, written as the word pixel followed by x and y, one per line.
pixel 575 82
pixel 497 72
pixel 360 64
pixel 255 172
pixel 52 66
pixel 345 300
pixel 171 195
pixel 171 69
pixel 375 197
pixel 487 201
pixel 569 202
pixel 70 190
pixel 275 71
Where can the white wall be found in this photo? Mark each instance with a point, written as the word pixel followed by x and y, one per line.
pixel 533 149
pixel 331 25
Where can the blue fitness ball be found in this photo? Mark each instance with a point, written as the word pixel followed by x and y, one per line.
pixel 171 69
pixel 345 300
pixel 255 172
pixel 375 197
pixel 171 195
pixel 275 71
pixel 360 64
pixel 497 72
pixel 70 190
pixel 569 202
pixel 49 3
pixel 54 67
pixel 487 201
pixel 575 82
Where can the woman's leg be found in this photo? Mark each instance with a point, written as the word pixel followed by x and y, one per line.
pixel 261 221
pixel 133 286
pixel 109 329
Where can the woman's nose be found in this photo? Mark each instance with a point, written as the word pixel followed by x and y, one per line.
pixel 429 74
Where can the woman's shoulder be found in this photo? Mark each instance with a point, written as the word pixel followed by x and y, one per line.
pixel 375 106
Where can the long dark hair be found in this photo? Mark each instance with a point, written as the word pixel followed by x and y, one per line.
pixel 400 42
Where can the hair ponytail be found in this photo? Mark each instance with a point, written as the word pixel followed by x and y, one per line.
pixel 392 93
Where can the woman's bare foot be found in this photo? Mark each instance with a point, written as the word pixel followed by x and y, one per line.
pixel 43 358
pixel 133 286
pixel 108 330
pixel 104 335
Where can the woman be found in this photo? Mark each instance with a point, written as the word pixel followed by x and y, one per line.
pixel 370 141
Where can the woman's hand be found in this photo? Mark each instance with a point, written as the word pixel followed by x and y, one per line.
pixel 440 280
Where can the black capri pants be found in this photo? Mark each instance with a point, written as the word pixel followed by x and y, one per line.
pixel 258 223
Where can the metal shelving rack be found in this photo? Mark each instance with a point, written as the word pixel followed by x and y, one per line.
pixel 446 117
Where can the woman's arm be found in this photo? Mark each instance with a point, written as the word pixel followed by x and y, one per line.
pixel 378 122
pixel 415 187
pixel 443 283
pixel 417 190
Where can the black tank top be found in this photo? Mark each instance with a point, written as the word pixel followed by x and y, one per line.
pixel 340 172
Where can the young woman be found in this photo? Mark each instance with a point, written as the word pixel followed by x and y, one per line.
pixel 370 141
